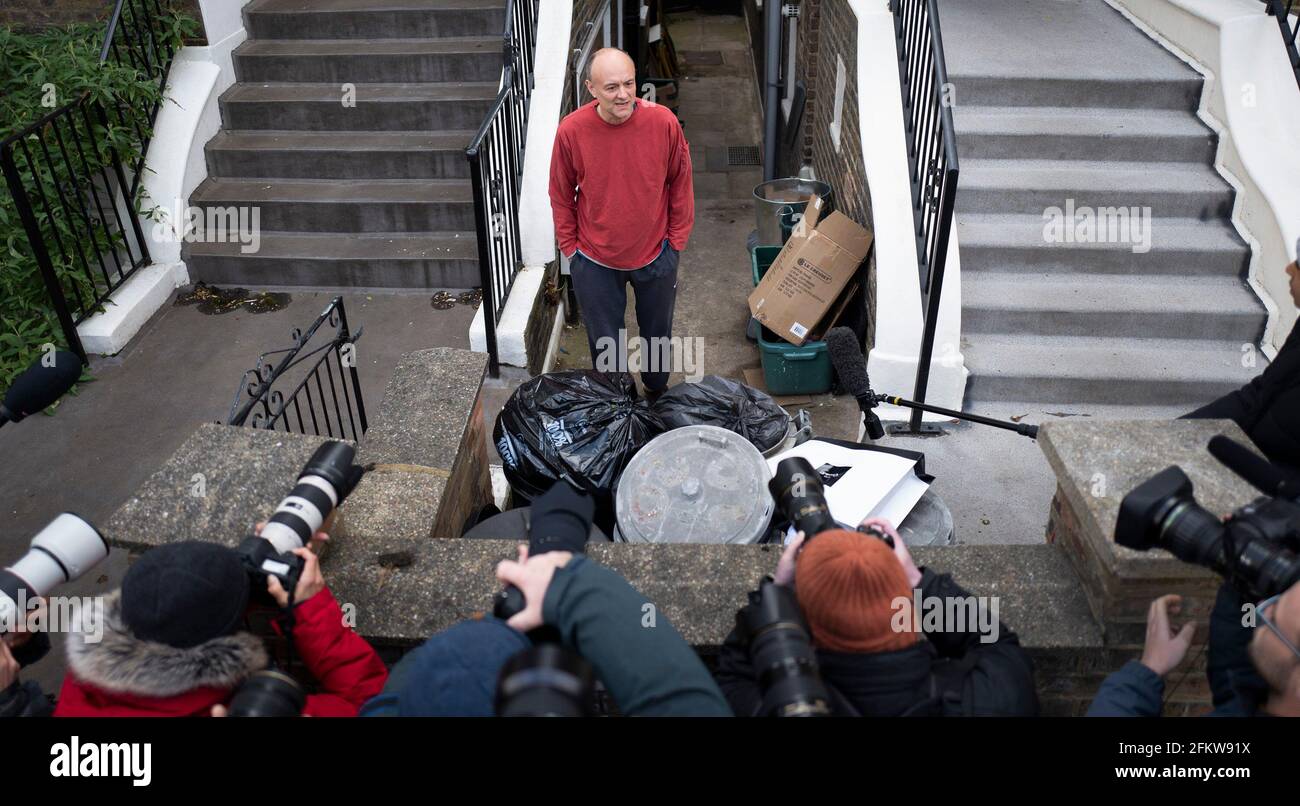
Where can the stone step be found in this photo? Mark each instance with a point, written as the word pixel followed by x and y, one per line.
pixel 1139 307
pixel 1177 246
pixel 372 19
pixel 339 155
pixel 1171 189
pixel 1107 371
pixel 1067 133
pixel 358 61
pixel 332 259
pixel 377 107
pixel 1119 92
pixel 332 205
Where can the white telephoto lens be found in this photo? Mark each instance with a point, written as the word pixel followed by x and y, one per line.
pixel 61 552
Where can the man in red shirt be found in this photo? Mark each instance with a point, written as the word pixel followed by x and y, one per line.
pixel 623 201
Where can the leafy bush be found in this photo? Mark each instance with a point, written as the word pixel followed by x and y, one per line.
pixel 41 72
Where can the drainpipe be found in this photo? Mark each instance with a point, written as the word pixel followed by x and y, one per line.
pixel 772 81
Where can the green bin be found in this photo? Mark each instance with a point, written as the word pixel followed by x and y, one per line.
pixel 789 370
pixel 760 257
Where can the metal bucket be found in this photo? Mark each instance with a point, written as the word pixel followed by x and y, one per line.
pixel 779 204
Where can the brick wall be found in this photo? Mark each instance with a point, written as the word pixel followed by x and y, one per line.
pixel 31 15
pixel 1120 607
pixel 827 30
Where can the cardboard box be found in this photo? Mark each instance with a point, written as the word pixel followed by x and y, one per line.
pixel 807 278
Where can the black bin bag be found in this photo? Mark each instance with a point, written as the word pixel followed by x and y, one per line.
pixel 727 404
pixel 580 425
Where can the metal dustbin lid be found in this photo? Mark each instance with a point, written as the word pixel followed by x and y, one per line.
pixel 695 484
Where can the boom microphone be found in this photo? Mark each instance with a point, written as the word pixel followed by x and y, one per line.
pixel 1262 475
pixel 851 367
pixel 39 386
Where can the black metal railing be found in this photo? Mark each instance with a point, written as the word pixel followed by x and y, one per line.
pixel 1289 31
pixel 496 160
pixel 325 389
pixel 932 160
pixel 73 191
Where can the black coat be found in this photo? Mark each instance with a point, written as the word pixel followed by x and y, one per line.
pixel 944 674
pixel 1267 408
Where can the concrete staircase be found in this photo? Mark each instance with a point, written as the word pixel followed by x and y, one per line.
pixel 1067 100
pixel 370 194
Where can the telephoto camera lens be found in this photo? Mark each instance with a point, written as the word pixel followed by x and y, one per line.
pixel 1254 550
pixel 546 680
pixel 800 497
pixel 326 480
pixel 61 552
pixel 781 651
pixel 268 693
pixel 1161 513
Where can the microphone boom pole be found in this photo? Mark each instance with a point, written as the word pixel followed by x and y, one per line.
pixel 1026 429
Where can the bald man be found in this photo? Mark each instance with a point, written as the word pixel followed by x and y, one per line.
pixel 624 205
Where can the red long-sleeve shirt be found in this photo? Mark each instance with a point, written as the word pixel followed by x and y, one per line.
pixel 617 191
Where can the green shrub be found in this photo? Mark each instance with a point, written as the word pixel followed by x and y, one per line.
pixel 40 72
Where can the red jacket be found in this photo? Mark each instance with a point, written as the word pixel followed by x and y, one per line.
pixel 121 675
pixel 617 191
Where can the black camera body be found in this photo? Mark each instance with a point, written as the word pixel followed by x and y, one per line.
pixel 326 480
pixel 1256 548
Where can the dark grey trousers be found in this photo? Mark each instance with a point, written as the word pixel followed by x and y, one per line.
pixel 602 299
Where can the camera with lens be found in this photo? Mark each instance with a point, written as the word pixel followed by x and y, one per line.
pixel 1256 548
pixel 268 693
pixel 326 480
pixel 781 651
pixel 546 680
pixel 61 552
pixel 800 498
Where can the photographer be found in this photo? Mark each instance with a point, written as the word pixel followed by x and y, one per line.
pixel 172 642
pixel 646 666
pixel 1268 408
pixel 17 650
pixel 1253 671
pixel 850 587
pixel 563 598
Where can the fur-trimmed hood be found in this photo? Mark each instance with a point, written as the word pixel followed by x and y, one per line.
pixel 121 662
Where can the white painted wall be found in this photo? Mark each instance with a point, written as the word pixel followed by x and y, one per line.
pixel 1252 101
pixel 187 119
pixel 892 363
pixel 536 228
